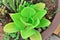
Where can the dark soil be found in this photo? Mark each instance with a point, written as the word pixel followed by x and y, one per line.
pixel 51 6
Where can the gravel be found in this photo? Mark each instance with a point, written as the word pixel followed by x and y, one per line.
pixel 53 37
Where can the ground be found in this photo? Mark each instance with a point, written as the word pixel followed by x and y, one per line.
pixel 53 37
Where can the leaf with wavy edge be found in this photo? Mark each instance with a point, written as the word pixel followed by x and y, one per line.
pixel 44 23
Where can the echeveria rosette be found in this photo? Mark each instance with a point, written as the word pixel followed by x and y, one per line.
pixel 29 13
pixel 27 19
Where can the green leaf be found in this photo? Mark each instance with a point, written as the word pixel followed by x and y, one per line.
pixel 12 5
pixel 44 22
pixel 17 3
pixel 17 37
pixel 36 23
pixel 20 8
pixel 13 35
pixel 36 36
pixel 24 3
pixel 30 26
pixel 40 14
pixel 16 18
pixel 33 6
pixel 27 33
pixel 6 36
pixel 28 12
pixel 10 28
pixel 40 6
pixel 24 22
pixel 21 2
pixel 28 4
pixel 5 3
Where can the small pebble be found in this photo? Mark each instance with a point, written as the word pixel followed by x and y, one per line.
pixel 0 23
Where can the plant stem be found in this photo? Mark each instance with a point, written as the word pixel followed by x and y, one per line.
pixel 21 2
pixel 24 3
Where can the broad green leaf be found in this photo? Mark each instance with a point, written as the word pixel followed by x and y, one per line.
pixel 10 28
pixel 44 22
pixel 27 33
pixel 16 18
pixel 28 12
pixel 40 14
pixel 36 36
pixel 40 6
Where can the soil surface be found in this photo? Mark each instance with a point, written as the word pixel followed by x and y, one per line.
pixel 53 37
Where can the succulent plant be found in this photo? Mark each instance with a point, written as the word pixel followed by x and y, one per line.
pixel 26 19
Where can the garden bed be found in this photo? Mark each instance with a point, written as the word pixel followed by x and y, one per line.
pixel 51 6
